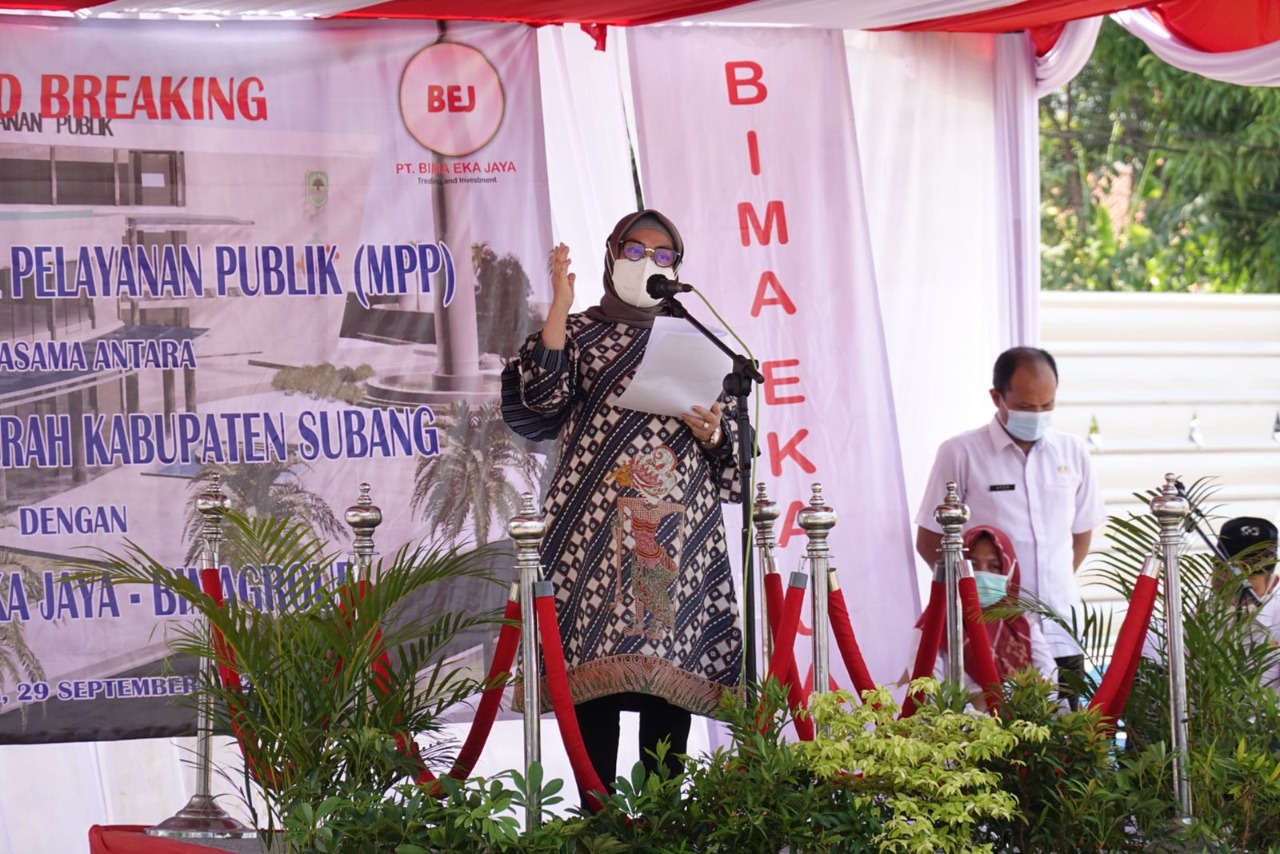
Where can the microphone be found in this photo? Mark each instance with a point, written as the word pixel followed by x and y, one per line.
pixel 660 287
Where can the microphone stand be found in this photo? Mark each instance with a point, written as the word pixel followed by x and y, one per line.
pixel 1246 593
pixel 737 384
pixel 1194 516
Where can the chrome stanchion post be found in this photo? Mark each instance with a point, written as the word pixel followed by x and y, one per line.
pixel 363 517
pixel 202 817
pixel 1171 510
pixel 952 514
pixel 817 520
pixel 527 528
pixel 763 513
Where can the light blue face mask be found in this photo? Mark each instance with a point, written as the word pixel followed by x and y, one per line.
pixel 992 587
pixel 1028 426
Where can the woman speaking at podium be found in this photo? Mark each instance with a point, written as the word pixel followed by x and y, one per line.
pixel 635 543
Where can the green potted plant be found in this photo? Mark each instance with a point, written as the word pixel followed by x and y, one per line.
pixel 1088 792
pixel 334 681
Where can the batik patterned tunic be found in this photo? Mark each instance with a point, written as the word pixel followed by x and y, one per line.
pixel 635 542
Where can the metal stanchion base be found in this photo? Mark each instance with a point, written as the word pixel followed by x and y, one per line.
pixel 201 818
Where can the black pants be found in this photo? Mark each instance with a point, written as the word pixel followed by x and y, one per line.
pixel 1068 685
pixel 599 721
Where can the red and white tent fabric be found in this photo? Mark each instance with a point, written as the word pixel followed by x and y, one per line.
pixel 1180 27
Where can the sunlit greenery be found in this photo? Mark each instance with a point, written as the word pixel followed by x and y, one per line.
pixel 1158 179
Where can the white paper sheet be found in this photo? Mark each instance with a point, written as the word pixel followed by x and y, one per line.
pixel 680 369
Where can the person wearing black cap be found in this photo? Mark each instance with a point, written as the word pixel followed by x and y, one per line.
pixel 635 541
pixel 1249 544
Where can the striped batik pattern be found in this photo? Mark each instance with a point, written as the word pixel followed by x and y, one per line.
pixel 616 639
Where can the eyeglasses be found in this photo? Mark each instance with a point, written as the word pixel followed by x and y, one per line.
pixel 633 250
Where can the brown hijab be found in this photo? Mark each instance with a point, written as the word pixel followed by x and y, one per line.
pixel 611 308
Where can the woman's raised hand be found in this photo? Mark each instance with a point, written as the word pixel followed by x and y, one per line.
pixel 561 279
pixel 553 331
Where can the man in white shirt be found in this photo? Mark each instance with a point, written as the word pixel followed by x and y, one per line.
pixel 1033 483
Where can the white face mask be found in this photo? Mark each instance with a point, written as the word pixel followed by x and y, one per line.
pixel 1028 426
pixel 630 278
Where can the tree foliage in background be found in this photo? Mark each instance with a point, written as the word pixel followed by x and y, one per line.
pixel 18 661
pixel 1154 178
pixel 504 316
pixel 469 481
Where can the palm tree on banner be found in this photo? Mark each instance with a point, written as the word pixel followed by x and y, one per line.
pixel 18 662
pixel 270 490
pixel 468 479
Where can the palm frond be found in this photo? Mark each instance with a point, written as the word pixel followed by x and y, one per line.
pixel 338 673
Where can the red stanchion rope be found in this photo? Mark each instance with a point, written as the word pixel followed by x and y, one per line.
pixel 784 654
pixel 782 666
pixel 486 712
pixel 773 600
pixel 562 701
pixel 930 639
pixel 796 694
pixel 842 627
pixel 490 702
pixel 798 700
pixel 504 655
pixel 211 584
pixel 380 667
pixel 229 676
pixel 1113 693
pixel 978 650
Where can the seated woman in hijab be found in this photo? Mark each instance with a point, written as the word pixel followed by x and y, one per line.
pixel 635 543
pixel 1017 642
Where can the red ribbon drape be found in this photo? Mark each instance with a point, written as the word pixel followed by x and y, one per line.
pixel 1221 26
pixel 1020 16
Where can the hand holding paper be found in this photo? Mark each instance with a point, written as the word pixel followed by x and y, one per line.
pixel 681 371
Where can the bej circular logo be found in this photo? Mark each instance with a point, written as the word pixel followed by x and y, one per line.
pixel 451 99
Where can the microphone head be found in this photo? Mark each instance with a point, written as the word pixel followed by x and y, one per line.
pixel 659 286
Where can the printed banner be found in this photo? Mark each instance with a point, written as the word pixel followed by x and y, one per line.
pixel 746 141
pixel 292 255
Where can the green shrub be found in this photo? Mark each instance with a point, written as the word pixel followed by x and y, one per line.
pixel 929 776
pixel 759 794
pixel 1073 792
